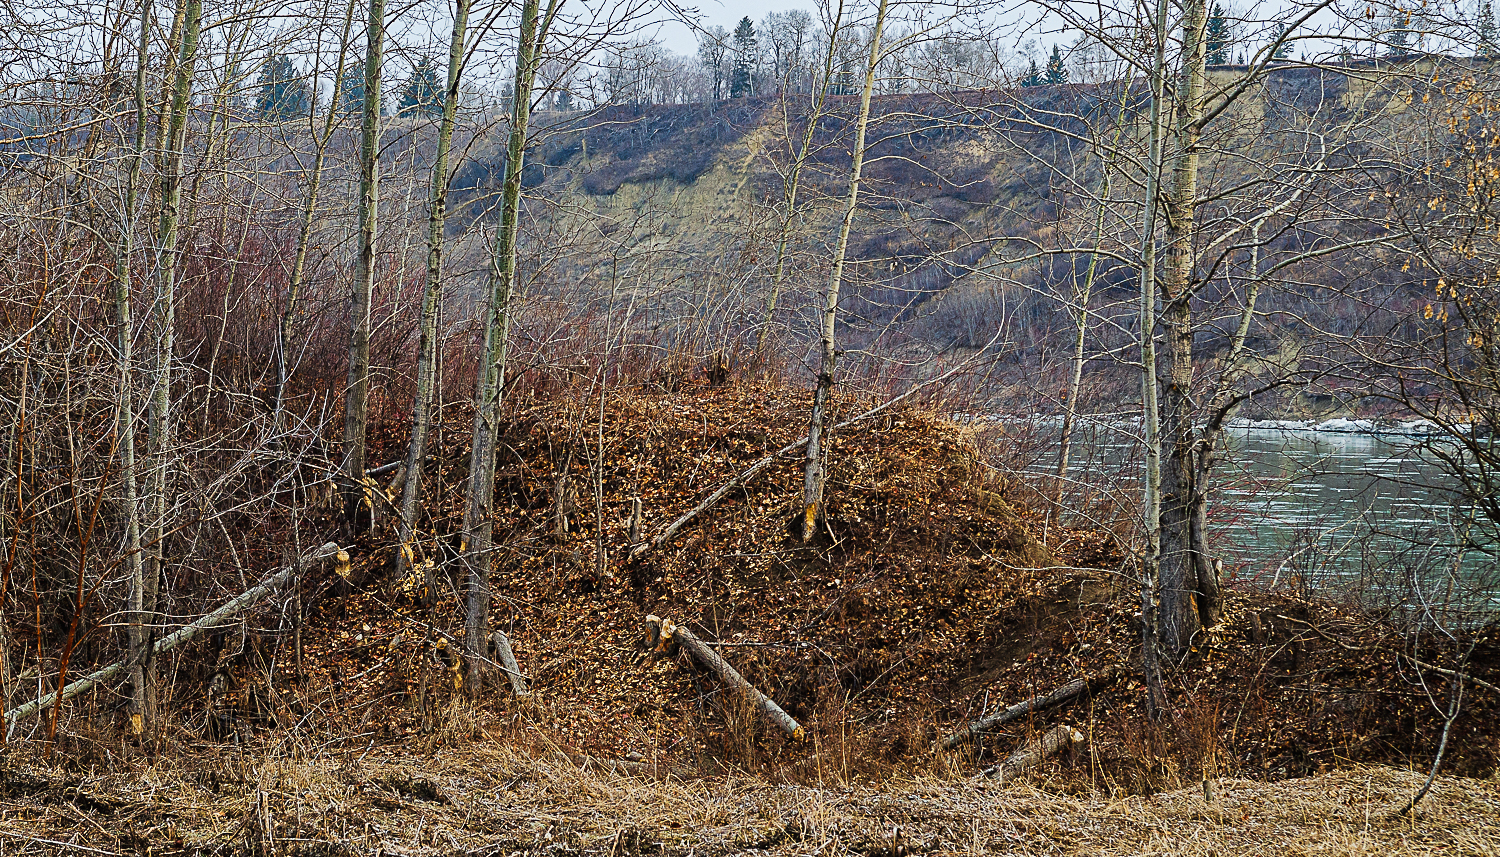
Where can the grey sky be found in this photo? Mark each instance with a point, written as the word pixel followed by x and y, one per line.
pixel 678 38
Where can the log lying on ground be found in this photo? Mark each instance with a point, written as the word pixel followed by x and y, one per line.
pixel 620 766
pixel 661 633
pixel 1036 703
pixel 508 663
pixel 250 597
pixel 1052 742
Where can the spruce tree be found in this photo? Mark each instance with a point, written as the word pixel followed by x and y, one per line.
pixel 742 79
pixel 352 92
pixel 1489 41
pixel 1283 50
pixel 422 95
pixel 1400 36
pixel 1217 36
pixel 1033 77
pixel 1056 71
pixel 283 93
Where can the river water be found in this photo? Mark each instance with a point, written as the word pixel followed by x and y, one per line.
pixel 1340 504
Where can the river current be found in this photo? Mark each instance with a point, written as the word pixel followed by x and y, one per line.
pixel 1338 504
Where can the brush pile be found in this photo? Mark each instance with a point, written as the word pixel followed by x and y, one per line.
pixel 926 602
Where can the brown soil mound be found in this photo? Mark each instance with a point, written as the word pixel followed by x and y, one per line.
pixel 927 601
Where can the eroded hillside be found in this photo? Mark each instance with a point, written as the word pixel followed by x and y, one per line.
pixel 984 212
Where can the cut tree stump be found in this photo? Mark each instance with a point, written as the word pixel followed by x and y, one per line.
pixel 1052 742
pixel 1036 703
pixel 660 634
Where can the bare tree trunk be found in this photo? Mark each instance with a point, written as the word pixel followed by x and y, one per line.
pixel 1074 688
pixel 182 635
pixel 174 39
pixel 1050 743
pixel 1178 572
pixel 1455 705
pixel 1081 319
pixel 508 663
pixel 814 468
pixel 478 524
pixel 792 188
pixel 309 211
pixel 159 438
pixel 1151 665
pixel 138 637
pixel 662 634
pixel 357 391
pixel 432 294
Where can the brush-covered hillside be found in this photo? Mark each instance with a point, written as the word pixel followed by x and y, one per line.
pixel 989 210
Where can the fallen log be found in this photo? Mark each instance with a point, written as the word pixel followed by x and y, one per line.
pixel 508 663
pixel 660 634
pixel 182 635
pixel 620 766
pixel 1035 703
pixel 1052 742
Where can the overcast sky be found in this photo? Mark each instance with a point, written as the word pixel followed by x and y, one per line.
pixel 679 38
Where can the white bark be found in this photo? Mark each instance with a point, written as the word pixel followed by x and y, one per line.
pixel 432 294
pixel 1025 707
pixel 1052 742
pixel 815 476
pixel 357 390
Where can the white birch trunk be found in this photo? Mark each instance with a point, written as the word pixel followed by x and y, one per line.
pixel 478 525
pixel 138 637
pixel 159 438
pixel 1150 421
pixel 815 474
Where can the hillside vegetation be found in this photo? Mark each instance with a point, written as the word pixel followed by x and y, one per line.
pixel 980 213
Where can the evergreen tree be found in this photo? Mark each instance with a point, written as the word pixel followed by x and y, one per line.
pixel 1489 40
pixel 1033 77
pixel 1056 71
pixel 1216 37
pixel 352 90
pixel 283 93
pixel 422 95
pixel 1400 36
pixel 1283 50
pixel 742 80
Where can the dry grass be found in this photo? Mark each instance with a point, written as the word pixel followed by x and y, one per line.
pixel 488 798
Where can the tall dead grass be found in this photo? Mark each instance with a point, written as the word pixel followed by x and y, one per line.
pixel 490 798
